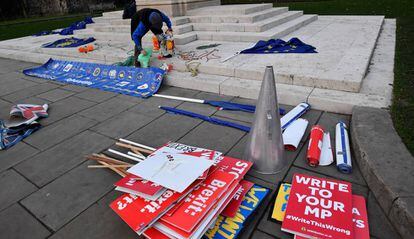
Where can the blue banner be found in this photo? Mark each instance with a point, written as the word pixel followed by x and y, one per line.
pixel 229 228
pixel 273 46
pixel 140 82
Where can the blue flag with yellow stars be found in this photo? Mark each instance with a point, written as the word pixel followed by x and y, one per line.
pixel 275 46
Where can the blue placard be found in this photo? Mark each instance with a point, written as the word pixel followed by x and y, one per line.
pixel 229 228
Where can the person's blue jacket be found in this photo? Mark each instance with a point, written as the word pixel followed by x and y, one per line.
pixel 141 24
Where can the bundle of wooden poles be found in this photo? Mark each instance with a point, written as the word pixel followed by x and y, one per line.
pixel 136 152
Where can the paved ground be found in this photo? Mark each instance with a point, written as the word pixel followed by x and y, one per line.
pixel 48 191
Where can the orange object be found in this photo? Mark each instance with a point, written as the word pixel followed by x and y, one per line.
pixel 155 43
pixel 170 45
pixel 86 49
pixel 315 145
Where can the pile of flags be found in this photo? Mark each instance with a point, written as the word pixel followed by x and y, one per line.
pixel 181 191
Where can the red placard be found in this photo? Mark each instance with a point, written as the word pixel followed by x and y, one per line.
pixel 360 217
pixel 200 201
pixel 319 208
pixel 137 184
pixel 140 214
pixel 234 166
pixel 233 206
pixel 153 233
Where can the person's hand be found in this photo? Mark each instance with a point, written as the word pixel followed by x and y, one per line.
pixel 144 52
pixel 169 31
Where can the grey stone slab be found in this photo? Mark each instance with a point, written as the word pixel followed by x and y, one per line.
pixel 5 109
pixel 15 155
pixel 132 99
pixel 270 226
pixel 59 131
pixel 96 95
pixel 211 136
pixel 238 115
pixel 150 106
pixel 64 108
pixel 17 223
pixel 62 200
pixel 330 170
pixel 401 214
pixel 175 91
pixel 168 127
pixel 107 109
pixel 379 225
pixel 14 187
pixel 12 84
pixel 21 95
pixel 383 158
pixel 52 163
pixel 56 95
pixel 123 124
pixel 7 66
pixel 238 150
pixel 254 220
pixel 261 235
pixel 74 88
pixel 356 188
pixel 98 221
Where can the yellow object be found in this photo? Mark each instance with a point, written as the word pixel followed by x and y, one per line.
pixel 282 198
pixel 155 43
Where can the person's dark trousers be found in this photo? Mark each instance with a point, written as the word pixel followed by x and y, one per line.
pixel 136 54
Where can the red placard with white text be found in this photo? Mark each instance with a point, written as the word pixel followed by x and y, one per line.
pixel 200 201
pixel 234 166
pixel 139 213
pixel 319 208
pixel 233 206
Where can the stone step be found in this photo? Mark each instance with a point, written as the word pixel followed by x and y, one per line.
pixel 275 32
pixel 105 20
pixel 237 9
pixel 122 37
pixel 249 18
pixel 259 26
pixel 176 21
pixel 113 14
pixel 180 29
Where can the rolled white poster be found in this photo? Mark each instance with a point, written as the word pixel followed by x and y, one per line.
pixel 343 152
pixel 294 114
pixel 326 154
pixel 294 133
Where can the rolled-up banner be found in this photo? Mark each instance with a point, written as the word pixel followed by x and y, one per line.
pixel 326 154
pixel 343 151
pixel 315 145
pixel 292 115
pixel 294 133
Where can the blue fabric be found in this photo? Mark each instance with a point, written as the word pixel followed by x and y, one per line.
pixel 68 42
pixel 166 20
pixel 206 118
pixel 225 105
pixel 68 30
pixel 272 46
pixel 227 227
pixel 11 136
pixel 140 82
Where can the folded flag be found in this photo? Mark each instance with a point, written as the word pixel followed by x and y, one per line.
pixel 68 42
pixel 11 136
pixel 272 46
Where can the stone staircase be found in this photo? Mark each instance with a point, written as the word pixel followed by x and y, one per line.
pixel 242 23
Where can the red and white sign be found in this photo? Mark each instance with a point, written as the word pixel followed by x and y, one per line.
pixel 143 188
pixel 360 217
pixel 140 214
pixel 319 208
pixel 234 166
pixel 233 206
pixel 197 204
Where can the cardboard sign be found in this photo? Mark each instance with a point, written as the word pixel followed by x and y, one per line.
pixel 140 214
pixel 230 227
pixel 281 201
pixel 135 185
pixel 153 233
pixel 173 147
pixel 234 166
pixel 231 209
pixel 320 208
pixel 175 171
pixel 200 201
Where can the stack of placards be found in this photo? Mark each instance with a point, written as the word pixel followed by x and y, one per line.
pixel 179 191
pixel 313 207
